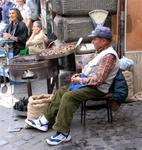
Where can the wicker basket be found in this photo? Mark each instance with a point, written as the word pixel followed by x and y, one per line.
pixel 82 7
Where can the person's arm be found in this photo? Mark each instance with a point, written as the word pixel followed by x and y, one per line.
pixel 105 67
pixel 28 16
pixel 29 41
pixel 28 23
pixel 9 36
pixel 38 38
pixel 6 35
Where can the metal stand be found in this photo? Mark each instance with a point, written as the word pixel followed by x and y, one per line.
pixel 29 87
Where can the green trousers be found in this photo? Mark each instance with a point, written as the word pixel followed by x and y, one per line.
pixel 65 103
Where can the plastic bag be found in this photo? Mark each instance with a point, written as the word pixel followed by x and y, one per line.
pixel 75 86
pixel 126 63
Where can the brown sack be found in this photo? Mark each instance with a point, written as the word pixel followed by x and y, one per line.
pixel 37 105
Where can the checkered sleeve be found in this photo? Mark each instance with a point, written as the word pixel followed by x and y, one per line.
pixel 105 67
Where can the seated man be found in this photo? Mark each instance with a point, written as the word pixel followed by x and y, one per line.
pixel 96 79
pixel 37 39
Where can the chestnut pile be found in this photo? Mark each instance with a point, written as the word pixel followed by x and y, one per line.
pixel 63 50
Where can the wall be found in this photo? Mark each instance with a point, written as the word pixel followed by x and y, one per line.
pixel 133 40
pixel 134 25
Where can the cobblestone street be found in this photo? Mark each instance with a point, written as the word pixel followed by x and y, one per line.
pixel 124 134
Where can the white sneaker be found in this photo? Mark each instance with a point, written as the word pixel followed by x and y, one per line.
pixel 38 123
pixel 58 138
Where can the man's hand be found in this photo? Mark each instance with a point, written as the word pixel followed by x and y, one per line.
pixel 91 80
pixel 14 38
pixel 75 75
pixel 6 35
pixel 75 79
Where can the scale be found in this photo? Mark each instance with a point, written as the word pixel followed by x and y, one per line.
pixel 98 16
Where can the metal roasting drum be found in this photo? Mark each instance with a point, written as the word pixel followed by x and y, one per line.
pixel 41 68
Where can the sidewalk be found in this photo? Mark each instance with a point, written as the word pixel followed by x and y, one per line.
pixel 124 134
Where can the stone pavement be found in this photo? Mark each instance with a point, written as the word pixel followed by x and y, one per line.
pixel 124 134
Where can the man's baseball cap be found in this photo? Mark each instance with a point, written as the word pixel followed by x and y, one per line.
pixel 102 32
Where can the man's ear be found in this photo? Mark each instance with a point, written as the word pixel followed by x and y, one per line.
pixel 103 40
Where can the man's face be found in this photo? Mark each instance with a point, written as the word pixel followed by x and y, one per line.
pixel 99 43
pixel 12 15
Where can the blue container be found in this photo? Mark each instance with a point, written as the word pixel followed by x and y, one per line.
pixel 10 55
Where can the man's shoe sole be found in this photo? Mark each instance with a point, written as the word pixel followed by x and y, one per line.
pixel 32 125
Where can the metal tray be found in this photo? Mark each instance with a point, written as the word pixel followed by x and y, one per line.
pixel 58 55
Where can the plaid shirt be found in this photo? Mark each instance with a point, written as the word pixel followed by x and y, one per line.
pixel 105 67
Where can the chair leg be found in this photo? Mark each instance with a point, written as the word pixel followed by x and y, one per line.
pixel 84 113
pixel 111 117
pixel 82 109
pixel 109 111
